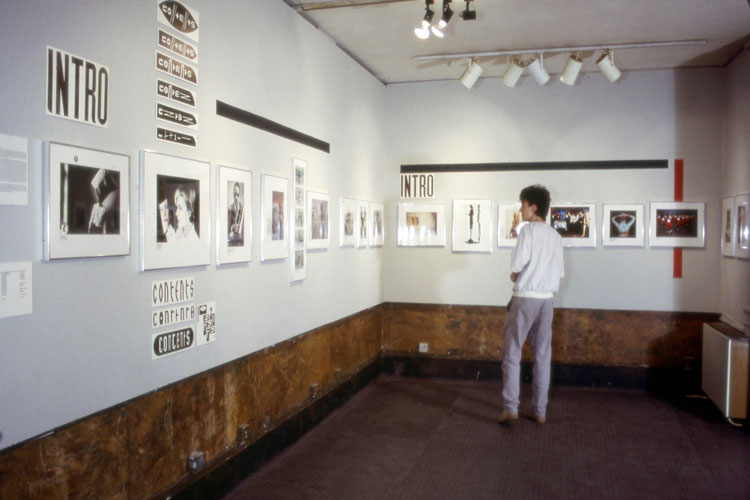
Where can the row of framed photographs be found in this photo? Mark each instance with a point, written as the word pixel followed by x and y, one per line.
pixel 671 224
pixel 87 209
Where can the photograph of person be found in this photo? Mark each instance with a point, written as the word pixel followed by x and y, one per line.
pixel 277 215
pixel 178 209
pixel 571 222
pixel 622 224
pixel 236 214
pixel 89 199
pixel 677 223
pixel 319 219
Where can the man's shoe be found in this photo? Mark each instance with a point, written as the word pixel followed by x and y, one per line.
pixel 536 418
pixel 506 416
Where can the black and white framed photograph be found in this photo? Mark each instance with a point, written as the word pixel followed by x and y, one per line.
pixel 348 215
pixel 377 224
pixel 622 225
pixel 87 203
pixel 728 227
pixel 363 223
pixel 234 215
pixel 175 211
pixel 472 226
pixel 677 224
pixel 298 259
pixel 742 206
pixel 421 224
pixel 509 224
pixel 273 230
pixel 318 226
pixel 575 222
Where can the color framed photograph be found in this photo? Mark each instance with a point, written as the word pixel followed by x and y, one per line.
pixel 472 226
pixel 175 211
pixel 348 215
pixel 728 227
pixel 742 207
pixel 509 224
pixel 363 223
pixel 273 224
pixel 298 260
pixel 234 215
pixel 622 225
pixel 318 229
pixel 677 224
pixel 421 225
pixel 87 203
pixel 377 221
pixel 575 222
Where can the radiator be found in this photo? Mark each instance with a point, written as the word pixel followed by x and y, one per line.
pixel 724 373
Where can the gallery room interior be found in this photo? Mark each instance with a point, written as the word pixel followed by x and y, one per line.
pixel 215 262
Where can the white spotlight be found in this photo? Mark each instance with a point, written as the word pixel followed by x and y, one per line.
pixel 513 73
pixel 607 66
pixel 471 74
pixel 423 32
pixel 536 68
pixel 572 68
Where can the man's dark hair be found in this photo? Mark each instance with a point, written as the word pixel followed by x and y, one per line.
pixel 539 196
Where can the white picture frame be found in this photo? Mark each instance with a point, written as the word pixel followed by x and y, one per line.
pixel 509 224
pixel 318 216
pixel 742 207
pixel 298 237
pixel 677 224
pixel 421 225
pixel 623 225
pixel 348 222
pixel 175 211
pixel 87 203
pixel 274 232
pixel 729 230
pixel 574 222
pixel 363 224
pixel 377 224
pixel 234 215
pixel 472 225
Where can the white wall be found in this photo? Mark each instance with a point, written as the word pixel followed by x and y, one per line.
pixel 645 115
pixel 87 344
pixel 735 273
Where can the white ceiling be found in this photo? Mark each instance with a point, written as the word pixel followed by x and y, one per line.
pixel 380 33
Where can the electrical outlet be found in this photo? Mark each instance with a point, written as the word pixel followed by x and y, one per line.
pixel 424 347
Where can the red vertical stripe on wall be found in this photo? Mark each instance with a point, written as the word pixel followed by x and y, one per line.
pixel 678 184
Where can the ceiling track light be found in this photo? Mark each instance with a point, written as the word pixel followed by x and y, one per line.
pixel 572 68
pixel 423 30
pixel 466 14
pixel 472 73
pixel 607 66
pixel 513 72
pixel 536 68
pixel 444 20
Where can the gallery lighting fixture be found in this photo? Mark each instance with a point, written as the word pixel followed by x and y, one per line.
pixel 607 66
pixel 472 73
pixel 468 15
pixel 513 72
pixel 423 31
pixel 536 68
pixel 444 20
pixel 572 68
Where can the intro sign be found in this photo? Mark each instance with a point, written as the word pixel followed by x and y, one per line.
pixel 77 89
pixel 417 185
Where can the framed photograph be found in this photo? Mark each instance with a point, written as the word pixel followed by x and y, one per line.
pixel 318 228
pixel 575 222
pixel 175 213
pixel 234 215
pixel 273 231
pixel 298 260
pixel 472 226
pixel 509 224
pixel 348 216
pixel 377 218
pixel 728 227
pixel 87 203
pixel 677 224
pixel 622 225
pixel 421 224
pixel 742 206
pixel 363 223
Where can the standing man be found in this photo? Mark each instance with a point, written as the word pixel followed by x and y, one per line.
pixel 236 215
pixel 536 269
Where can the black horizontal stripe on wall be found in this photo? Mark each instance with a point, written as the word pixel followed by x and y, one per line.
pixel 537 165
pixel 253 120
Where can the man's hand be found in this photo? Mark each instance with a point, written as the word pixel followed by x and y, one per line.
pixel 514 277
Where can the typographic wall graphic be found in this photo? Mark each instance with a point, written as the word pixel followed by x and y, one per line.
pixel 77 88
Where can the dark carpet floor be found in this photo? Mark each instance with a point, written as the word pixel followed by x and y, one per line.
pixel 409 438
